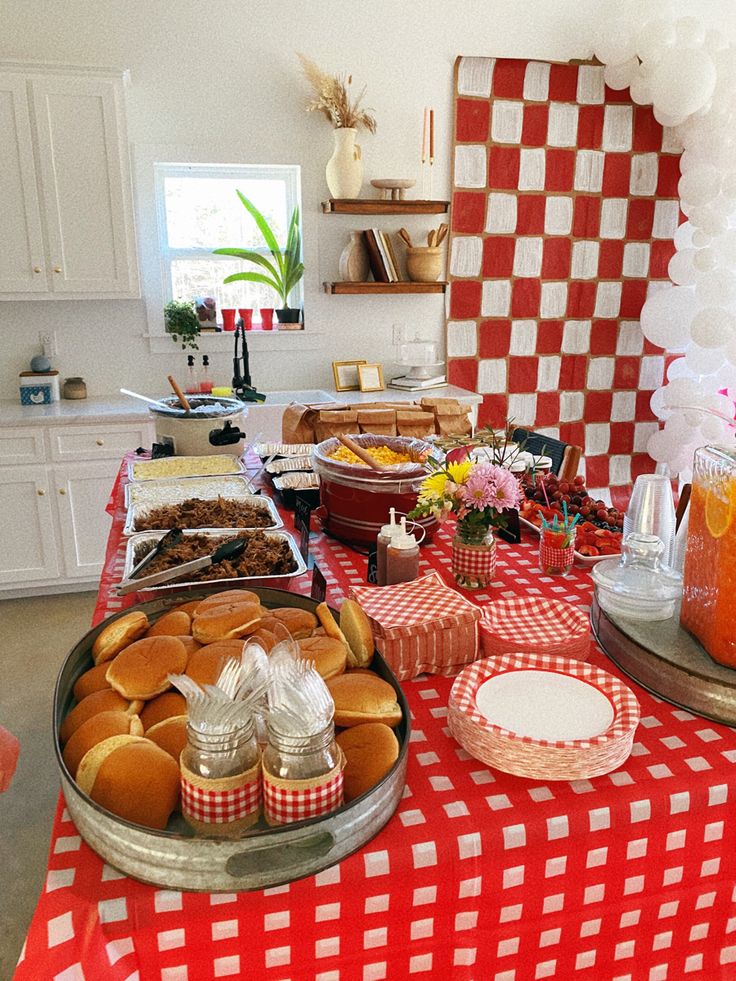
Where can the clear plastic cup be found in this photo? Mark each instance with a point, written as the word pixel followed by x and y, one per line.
pixel 651 511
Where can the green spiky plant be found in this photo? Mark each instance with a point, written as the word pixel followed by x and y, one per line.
pixel 285 269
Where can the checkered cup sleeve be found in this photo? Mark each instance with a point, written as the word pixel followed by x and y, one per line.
pixel 555 561
pixel 287 801
pixel 224 805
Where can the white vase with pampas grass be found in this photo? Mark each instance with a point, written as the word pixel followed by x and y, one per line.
pixel 344 171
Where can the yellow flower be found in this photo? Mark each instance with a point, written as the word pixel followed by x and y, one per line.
pixel 459 471
pixel 435 485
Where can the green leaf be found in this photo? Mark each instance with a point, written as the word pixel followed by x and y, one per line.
pixel 251 277
pixel 265 229
pixel 248 256
pixel 293 277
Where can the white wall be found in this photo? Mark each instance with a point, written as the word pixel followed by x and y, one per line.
pixel 223 74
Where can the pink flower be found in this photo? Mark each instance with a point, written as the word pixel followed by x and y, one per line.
pixel 493 487
pixel 478 493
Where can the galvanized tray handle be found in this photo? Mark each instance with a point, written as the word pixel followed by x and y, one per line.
pixel 279 856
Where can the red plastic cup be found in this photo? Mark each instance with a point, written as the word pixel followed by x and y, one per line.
pixel 267 318
pixel 228 318
pixel 247 317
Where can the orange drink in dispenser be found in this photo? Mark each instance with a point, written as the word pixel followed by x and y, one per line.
pixel 709 581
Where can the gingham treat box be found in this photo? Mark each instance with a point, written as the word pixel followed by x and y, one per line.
pixel 421 626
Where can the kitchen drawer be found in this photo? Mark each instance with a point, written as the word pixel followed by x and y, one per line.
pixel 102 442
pixel 20 446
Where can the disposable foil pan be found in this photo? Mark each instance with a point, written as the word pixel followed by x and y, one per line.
pixel 218 536
pixel 180 493
pixel 174 489
pixel 263 857
pixel 220 463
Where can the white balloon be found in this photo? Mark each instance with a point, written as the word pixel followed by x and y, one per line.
pixel 713 327
pixel 620 76
pixel 666 317
pixel 658 446
pixel 640 90
pixel 725 248
pixel 690 32
pixel 730 352
pixel 668 119
pixel 616 42
pixel 715 41
pixel 717 288
pixel 702 360
pixel 681 269
pixel 700 185
pixel 683 237
pixel 681 392
pixel 701 238
pixel 656 402
pixel 683 81
pixel 725 377
pixel 708 220
pixel 679 369
pixel 713 429
pixel 654 37
pixel 705 259
pixel 728 185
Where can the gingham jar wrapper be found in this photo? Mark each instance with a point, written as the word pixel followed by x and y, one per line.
pixel 286 801
pixel 534 624
pixel 551 557
pixel 474 561
pixel 224 801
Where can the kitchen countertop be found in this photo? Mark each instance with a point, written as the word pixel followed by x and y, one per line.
pixel 118 409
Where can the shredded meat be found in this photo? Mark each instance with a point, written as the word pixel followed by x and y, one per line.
pixel 196 513
pixel 263 556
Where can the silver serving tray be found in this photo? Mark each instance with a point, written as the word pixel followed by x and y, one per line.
pixel 217 535
pixel 235 466
pixel 288 464
pixel 268 450
pixel 180 493
pixel 160 491
pixel 263 856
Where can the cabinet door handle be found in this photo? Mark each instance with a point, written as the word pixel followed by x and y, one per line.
pixel 40 491
pixel 100 442
pixel 62 490
pixel 57 269
pixel 37 269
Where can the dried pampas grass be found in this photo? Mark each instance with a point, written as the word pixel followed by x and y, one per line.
pixel 332 99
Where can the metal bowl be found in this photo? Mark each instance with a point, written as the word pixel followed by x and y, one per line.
pixel 263 857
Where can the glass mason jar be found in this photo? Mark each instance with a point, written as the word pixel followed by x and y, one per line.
pixel 213 756
pixel 709 579
pixel 473 555
pixel 301 757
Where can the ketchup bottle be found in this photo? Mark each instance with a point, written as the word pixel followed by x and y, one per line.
pixel 402 557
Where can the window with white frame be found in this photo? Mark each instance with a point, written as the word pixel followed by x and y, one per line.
pixel 198 211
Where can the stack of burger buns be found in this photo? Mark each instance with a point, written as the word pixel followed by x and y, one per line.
pixel 123 738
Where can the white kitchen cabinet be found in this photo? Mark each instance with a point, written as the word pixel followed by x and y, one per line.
pixel 81 495
pixel 67 199
pixel 28 547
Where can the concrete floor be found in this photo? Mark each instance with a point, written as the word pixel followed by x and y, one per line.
pixel 37 633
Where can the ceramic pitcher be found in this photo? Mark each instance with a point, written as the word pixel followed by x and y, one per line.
pixel 344 170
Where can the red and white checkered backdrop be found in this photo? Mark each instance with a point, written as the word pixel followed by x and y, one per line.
pixel 564 206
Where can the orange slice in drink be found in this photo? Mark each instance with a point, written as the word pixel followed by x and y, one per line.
pixel 719 510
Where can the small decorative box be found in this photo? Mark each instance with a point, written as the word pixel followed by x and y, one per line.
pixel 421 626
pixel 39 387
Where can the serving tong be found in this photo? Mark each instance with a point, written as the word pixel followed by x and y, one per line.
pixel 230 549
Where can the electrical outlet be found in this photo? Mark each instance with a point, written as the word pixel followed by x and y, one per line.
pixel 47 339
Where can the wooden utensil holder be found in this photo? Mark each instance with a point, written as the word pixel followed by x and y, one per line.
pixel 424 263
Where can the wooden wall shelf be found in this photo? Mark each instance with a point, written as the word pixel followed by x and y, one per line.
pixel 382 206
pixel 371 287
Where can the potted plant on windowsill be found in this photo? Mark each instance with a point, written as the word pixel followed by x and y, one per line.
pixel 181 322
pixel 282 272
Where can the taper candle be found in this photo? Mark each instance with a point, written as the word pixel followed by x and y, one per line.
pixel 431 135
pixel 424 135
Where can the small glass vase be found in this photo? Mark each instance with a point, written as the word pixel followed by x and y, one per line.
pixel 473 555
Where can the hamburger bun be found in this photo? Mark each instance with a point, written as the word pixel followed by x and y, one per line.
pixel 370 751
pixel 363 698
pixel 99 701
pixel 190 644
pixel 170 735
pixel 358 632
pixel 94 730
pixel 329 656
pixel 142 670
pixel 330 625
pixel 117 635
pixel 299 623
pixel 187 608
pixel 91 681
pixel 226 621
pixel 205 665
pixel 133 778
pixel 174 624
pixel 228 597
pixel 162 707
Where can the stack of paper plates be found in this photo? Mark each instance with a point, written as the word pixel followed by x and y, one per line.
pixel 534 625
pixel 546 718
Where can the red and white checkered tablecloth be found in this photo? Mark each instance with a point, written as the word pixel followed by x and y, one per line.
pixel 479 876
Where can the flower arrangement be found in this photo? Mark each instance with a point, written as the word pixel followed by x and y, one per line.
pixel 478 493
pixel 332 98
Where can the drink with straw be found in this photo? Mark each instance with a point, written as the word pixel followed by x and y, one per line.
pixel 709 579
pixel 557 544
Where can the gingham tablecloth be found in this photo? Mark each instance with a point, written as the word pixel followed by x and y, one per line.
pixel 479 875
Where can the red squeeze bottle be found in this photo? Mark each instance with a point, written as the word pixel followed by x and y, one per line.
pixel 402 558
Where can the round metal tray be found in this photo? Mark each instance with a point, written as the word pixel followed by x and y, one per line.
pixel 666 660
pixel 263 857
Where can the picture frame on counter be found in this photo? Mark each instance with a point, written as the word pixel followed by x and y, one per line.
pixel 346 376
pixel 370 377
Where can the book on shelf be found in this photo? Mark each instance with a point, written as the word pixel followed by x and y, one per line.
pixel 391 251
pixel 393 270
pixel 385 257
pixel 379 270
